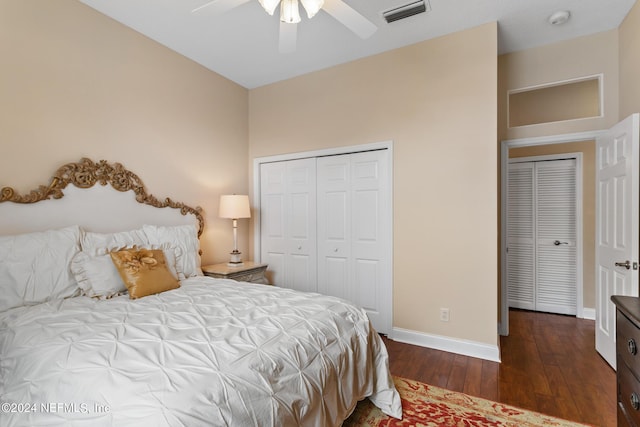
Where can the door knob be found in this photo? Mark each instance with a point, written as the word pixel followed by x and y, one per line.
pixel 558 243
pixel 626 264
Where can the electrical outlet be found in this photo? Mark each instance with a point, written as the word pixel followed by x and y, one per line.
pixel 444 314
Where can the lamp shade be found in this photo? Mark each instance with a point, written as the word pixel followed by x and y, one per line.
pixel 234 206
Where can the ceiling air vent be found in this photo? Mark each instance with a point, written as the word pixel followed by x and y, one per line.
pixel 405 11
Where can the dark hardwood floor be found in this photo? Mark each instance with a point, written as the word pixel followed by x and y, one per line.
pixel 549 365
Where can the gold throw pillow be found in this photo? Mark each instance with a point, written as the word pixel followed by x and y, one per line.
pixel 144 271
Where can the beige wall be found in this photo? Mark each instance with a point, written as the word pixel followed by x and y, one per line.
pixel 584 56
pixel 437 101
pixel 629 53
pixel 580 57
pixel 587 148
pixel 75 83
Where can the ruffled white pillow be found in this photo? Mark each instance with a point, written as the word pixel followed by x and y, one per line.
pixel 98 277
pixel 185 240
pixel 103 243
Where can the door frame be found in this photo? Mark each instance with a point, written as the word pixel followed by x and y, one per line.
pixel 503 324
pixel 578 212
pixel 383 145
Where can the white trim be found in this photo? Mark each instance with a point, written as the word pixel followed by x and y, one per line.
pixel 383 145
pixel 557 83
pixel 503 325
pixel 452 345
pixel 579 214
pixel 546 157
pixel 589 313
pixel 388 145
pixel 553 139
pixel 599 77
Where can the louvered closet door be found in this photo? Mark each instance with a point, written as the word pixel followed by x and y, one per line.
pixel 521 271
pixel 556 236
pixel 541 236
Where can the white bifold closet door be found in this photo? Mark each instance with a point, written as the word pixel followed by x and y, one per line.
pixel 353 232
pixel 325 226
pixel 541 236
pixel 288 222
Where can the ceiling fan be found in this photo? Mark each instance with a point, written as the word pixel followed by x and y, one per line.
pixel 290 16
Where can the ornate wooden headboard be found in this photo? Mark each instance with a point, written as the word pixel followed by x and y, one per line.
pixel 85 174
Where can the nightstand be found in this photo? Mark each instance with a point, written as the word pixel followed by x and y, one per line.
pixel 248 272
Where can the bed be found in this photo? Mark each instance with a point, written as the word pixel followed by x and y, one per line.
pixel 107 320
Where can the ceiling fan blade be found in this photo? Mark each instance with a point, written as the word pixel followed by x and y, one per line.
pixel 350 18
pixel 218 7
pixel 288 36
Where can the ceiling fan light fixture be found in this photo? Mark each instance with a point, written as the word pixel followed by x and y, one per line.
pixel 289 11
pixel 269 5
pixel 312 7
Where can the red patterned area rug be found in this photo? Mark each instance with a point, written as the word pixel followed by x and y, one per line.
pixel 426 405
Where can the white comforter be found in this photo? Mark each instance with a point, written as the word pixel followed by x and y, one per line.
pixel 211 353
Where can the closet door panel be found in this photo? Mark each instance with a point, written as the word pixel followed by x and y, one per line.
pixel 335 277
pixel 556 236
pixel 520 276
pixel 334 225
pixel 521 252
pixel 366 217
pixel 301 224
pixel 300 268
pixel 334 217
pixel 288 222
pixel 273 219
pixel 369 197
pixel 366 285
pixel 352 232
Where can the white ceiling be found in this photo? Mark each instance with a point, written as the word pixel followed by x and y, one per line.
pixel 242 43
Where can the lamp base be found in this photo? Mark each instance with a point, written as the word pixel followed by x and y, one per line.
pixel 236 260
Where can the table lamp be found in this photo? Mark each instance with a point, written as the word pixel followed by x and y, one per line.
pixel 234 206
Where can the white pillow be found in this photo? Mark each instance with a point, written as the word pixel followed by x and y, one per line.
pixel 35 267
pixel 185 239
pixel 97 275
pixel 103 243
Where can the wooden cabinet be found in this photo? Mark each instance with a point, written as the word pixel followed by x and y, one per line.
pixel 247 272
pixel 628 359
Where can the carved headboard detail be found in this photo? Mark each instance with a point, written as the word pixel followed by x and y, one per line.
pixel 85 174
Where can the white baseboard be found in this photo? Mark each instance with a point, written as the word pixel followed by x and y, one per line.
pixel 452 345
pixel 589 313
